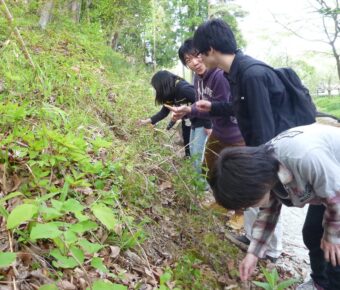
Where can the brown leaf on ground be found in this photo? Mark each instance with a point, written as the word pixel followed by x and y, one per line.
pixel 114 251
pixel 165 185
pixel 66 285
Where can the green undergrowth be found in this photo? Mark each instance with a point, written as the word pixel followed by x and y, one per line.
pixel 330 105
pixel 77 174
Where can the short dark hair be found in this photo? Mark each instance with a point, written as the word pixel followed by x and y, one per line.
pixel 187 48
pixel 243 175
pixel 164 83
pixel 216 34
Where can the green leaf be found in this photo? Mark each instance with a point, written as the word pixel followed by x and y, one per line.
pixel 64 191
pixel 72 205
pixel 78 254
pixel 263 285
pixel 9 196
pixel 48 287
pixel 83 227
pixel 63 261
pixel 165 277
pixel 90 248
pixel 20 214
pixel 70 237
pixel 286 284
pixel 45 231
pixel 49 213
pixel 6 259
pixel 271 277
pixel 98 264
pixel 105 215
pixel 3 212
pixel 106 285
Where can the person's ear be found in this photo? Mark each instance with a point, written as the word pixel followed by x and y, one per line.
pixel 212 51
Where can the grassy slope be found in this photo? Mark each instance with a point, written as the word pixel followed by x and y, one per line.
pixel 329 105
pixel 72 154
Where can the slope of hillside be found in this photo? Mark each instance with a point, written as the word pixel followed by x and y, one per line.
pixel 89 200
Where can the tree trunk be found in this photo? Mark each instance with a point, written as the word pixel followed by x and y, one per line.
pixel 17 34
pixel 46 14
pixel 75 7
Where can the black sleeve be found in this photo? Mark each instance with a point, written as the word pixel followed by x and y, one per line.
pixel 261 121
pixel 207 124
pixel 163 113
pixel 221 109
pixel 185 91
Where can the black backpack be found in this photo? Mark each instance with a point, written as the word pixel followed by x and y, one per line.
pixel 302 103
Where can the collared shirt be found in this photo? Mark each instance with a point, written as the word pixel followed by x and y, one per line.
pixel 312 155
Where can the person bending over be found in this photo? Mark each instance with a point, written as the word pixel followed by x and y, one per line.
pixel 175 91
pixel 299 166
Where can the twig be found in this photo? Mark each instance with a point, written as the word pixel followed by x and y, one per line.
pixel 132 233
pixel 14 269
pixel 82 267
pixel 295 33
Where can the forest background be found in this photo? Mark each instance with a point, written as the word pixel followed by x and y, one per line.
pixel 89 200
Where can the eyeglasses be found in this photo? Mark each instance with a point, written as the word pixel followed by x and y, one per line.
pixel 189 60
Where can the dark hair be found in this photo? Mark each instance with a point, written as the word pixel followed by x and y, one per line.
pixel 164 82
pixel 187 48
pixel 243 175
pixel 216 34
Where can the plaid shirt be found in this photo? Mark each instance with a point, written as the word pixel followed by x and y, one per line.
pixel 312 156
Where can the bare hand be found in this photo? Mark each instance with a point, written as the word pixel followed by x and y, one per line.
pixel 143 122
pixel 247 266
pixel 178 112
pixel 203 106
pixel 207 131
pixel 331 252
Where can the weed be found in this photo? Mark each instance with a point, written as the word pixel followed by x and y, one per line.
pixel 272 281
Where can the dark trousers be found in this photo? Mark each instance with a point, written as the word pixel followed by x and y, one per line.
pixel 323 273
pixel 186 137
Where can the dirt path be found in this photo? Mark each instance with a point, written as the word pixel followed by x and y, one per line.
pixel 295 255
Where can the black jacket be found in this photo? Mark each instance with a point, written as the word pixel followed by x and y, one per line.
pixel 261 103
pixel 184 95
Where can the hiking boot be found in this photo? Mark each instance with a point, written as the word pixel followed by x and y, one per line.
pixel 236 221
pixel 271 259
pixel 309 285
pixel 243 239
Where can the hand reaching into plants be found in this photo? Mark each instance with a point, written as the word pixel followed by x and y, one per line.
pixel 144 122
pixel 247 266
pixel 203 106
pixel 331 252
pixel 178 112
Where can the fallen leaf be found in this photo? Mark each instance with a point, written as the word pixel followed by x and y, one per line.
pixel 165 185
pixel 114 251
pixel 66 285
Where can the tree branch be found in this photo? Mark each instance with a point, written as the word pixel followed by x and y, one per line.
pixel 295 33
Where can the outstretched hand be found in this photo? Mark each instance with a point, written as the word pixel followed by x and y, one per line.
pixel 247 266
pixel 203 106
pixel 331 252
pixel 143 122
pixel 178 112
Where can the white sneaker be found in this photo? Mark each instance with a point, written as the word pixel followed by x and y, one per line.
pixel 309 285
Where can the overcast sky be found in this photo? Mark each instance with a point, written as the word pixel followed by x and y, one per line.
pixel 267 38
